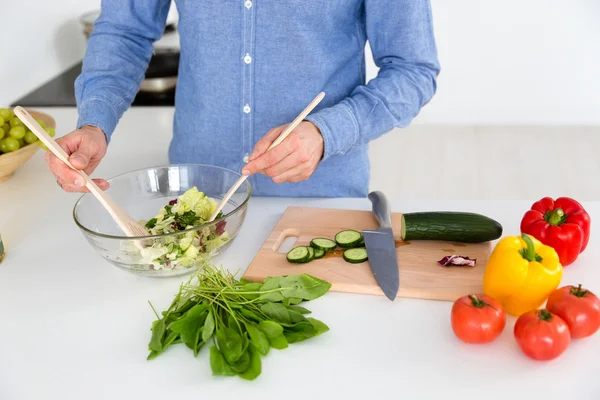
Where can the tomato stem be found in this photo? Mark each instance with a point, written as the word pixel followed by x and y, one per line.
pixel 478 303
pixel 577 291
pixel 544 315
pixel 529 253
pixel 555 217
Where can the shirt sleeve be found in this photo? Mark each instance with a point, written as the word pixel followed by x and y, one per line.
pixel 400 34
pixel 117 56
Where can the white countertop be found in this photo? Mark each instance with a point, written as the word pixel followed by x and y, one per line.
pixel 75 327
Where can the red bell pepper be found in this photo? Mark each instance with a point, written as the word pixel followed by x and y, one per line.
pixel 562 224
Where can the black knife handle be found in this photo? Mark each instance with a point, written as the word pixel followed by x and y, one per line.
pixel 381 209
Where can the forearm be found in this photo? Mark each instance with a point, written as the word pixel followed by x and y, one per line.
pixel 406 81
pixel 117 56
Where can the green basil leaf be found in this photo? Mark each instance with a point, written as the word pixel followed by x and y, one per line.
pixel 218 365
pixel 255 366
pixel 259 339
pixel 209 327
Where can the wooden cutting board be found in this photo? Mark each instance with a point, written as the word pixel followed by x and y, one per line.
pixel 420 274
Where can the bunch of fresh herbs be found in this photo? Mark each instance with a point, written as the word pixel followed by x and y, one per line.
pixel 241 319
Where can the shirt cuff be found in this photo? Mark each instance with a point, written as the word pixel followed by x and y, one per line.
pixel 99 113
pixel 338 127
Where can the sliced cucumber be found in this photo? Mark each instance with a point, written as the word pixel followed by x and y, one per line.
pixel 356 255
pixel 452 226
pixel 299 255
pixel 348 239
pixel 311 253
pixel 323 244
pixel 319 253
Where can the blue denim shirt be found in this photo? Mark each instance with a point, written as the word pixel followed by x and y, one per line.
pixel 247 66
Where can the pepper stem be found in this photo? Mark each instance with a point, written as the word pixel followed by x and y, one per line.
pixel 577 291
pixel 544 315
pixel 529 253
pixel 555 217
pixel 477 303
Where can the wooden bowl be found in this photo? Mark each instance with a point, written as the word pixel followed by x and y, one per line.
pixel 10 162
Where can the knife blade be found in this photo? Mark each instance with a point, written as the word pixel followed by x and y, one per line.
pixel 381 247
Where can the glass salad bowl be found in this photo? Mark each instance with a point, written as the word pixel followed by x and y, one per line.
pixel 173 202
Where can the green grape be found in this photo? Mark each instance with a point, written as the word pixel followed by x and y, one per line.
pixel 2 133
pixel 6 127
pixel 42 124
pixel 21 143
pixel 30 137
pixel 50 131
pixel 3 148
pixel 18 132
pixel 16 122
pixel 5 113
pixel 11 144
pixel 2 120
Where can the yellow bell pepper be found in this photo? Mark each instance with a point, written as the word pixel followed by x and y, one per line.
pixel 521 273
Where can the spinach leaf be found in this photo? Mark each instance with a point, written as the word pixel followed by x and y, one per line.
pixel 299 309
pixel 278 342
pixel 218 365
pixel 277 312
pixel 242 363
pixel 271 329
pixel 250 314
pixel 189 325
pixel 209 327
pixel 288 301
pixel 303 286
pixel 259 339
pixel 230 344
pixel 158 331
pixel 320 326
pixel 255 366
pixel 271 284
pixel 305 330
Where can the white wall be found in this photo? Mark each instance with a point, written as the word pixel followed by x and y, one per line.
pixel 503 62
pixel 44 38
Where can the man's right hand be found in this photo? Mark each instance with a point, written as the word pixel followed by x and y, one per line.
pixel 86 147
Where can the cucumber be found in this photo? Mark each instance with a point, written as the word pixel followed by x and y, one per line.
pixel 319 253
pixel 311 253
pixel 356 255
pixel 299 255
pixel 451 226
pixel 348 239
pixel 323 244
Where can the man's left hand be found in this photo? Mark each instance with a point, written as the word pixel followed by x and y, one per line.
pixel 293 160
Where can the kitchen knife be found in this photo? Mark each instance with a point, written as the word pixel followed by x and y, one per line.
pixel 381 247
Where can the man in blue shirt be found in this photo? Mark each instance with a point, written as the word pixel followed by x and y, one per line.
pixel 249 67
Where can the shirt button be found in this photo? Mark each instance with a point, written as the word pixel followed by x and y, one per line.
pixel 247 59
pixel 247 109
pixel 246 158
pixel 248 4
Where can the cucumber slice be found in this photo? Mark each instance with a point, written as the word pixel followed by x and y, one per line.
pixel 311 253
pixel 299 255
pixel 356 255
pixel 348 239
pixel 323 244
pixel 319 253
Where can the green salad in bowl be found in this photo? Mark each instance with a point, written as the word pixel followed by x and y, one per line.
pixel 174 203
pixel 191 209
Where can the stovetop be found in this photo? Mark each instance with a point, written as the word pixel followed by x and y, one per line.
pixel 60 92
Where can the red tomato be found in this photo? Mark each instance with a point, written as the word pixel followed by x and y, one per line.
pixel 542 335
pixel 579 307
pixel 477 318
